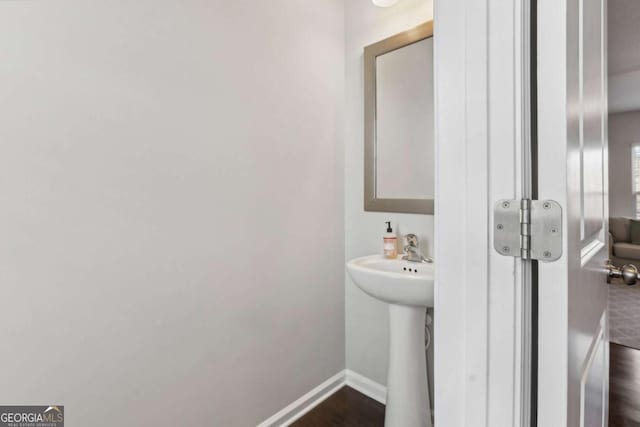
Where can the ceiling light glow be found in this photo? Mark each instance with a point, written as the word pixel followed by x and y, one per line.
pixel 384 3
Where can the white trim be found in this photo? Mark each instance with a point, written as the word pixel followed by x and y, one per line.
pixel 319 394
pixel 480 68
pixel 305 403
pixel 366 386
pixel 450 377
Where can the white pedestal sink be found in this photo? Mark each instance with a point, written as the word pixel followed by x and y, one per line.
pixel 408 289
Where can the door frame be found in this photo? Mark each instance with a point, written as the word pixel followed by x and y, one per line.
pixel 482 128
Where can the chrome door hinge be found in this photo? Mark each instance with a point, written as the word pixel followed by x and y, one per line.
pixel 530 229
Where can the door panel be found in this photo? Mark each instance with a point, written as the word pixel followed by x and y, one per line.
pixel 593 387
pixel 587 250
pixel 572 152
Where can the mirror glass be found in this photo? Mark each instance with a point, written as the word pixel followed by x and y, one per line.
pixel 399 123
pixel 404 122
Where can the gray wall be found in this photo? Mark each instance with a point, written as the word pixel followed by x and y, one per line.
pixel 624 100
pixel 367 319
pixel 624 131
pixel 171 183
pixel 623 56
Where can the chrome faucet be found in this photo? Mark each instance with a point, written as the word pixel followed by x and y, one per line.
pixel 412 250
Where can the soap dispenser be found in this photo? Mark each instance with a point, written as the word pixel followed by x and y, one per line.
pixel 390 243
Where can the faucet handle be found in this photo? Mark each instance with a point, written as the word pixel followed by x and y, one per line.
pixel 412 240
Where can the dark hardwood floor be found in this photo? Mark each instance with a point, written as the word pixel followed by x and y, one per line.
pixel 345 408
pixel 349 408
pixel 624 386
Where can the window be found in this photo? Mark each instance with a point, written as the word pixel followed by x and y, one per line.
pixel 635 183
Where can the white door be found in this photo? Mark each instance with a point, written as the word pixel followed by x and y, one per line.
pixel 572 147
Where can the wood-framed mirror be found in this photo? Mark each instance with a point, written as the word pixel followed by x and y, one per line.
pixel 399 123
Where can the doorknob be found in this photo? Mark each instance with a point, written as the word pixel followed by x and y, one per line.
pixel 628 273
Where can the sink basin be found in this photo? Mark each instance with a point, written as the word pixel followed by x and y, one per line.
pixel 408 289
pixel 394 281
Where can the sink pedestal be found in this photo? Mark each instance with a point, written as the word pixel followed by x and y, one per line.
pixel 407 386
pixel 408 289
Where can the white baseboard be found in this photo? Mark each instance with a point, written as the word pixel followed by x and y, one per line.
pixel 368 387
pixel 306 403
